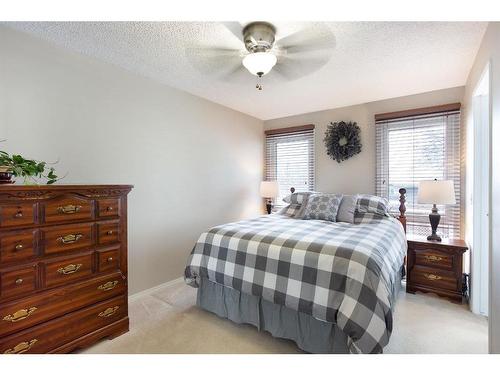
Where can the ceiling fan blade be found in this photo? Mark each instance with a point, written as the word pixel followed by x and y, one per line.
pixel 235 28
pixel 292 68
pixel 214 61
pixel 312 38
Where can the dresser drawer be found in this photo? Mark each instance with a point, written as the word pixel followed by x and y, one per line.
pixel 22 214
pixel 67 270
pixel 108 207
pixel 434 278
pixel 17 246
pixel 108 232
pixel 52 334
pixel 44 306
pixel 109 260
pixel 63 238
pixel 67 208
pixel 433 258
pixel 18 282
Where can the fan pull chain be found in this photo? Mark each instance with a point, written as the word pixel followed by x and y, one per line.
pixel 258 85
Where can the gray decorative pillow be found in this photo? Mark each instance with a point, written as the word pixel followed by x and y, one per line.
pixel 322 207
pixel 346 209
pixel 297 198
pixel 291 210
pixel 372 204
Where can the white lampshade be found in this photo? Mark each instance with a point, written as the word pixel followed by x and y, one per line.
pixel 436 192
pixel 269 189
pixel 259 63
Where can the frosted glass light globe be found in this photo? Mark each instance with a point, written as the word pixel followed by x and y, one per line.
pixel 259 63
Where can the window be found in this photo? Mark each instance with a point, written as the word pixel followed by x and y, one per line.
pixel 420 147
pixel 290 159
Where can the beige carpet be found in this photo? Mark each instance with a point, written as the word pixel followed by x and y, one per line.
pixel 167 321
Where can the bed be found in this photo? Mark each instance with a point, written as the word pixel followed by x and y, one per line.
pixel 330 287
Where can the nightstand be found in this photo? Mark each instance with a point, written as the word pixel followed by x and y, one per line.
pixel 435 267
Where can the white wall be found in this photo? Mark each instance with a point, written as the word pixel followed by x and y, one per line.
pixel 194 163
pixel 490 52
pixel 357 175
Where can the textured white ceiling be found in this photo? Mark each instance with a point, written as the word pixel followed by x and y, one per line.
pixel 370 60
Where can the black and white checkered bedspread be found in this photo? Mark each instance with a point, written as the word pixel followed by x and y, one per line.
pixel 336 272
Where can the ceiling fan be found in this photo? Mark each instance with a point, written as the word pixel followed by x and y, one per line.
pixel 290 57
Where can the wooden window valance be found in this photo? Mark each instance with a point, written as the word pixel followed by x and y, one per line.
pixel 418 112
pixel 291 129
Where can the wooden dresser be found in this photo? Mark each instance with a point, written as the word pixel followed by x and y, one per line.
pixel 63 266
pixel 435 267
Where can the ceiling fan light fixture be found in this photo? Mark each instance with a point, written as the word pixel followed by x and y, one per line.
pixel 259 63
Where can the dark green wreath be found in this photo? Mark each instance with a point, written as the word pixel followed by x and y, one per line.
pixel 342 140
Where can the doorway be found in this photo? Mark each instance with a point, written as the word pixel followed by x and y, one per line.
pixel 481 238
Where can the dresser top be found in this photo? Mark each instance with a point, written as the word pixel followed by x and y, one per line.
pixel 61 187
pixel 445 241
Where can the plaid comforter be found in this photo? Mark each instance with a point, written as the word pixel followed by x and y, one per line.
pixel 342 273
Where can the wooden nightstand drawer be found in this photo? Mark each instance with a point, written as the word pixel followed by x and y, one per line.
pixel 435 267
pixel 434 278
pixel 434 258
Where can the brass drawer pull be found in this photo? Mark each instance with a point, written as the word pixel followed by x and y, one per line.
pixel 108 286
pixel 70 238
pixel 109 208
pixel 22 347
pixel 431 276
pixel 20 315
pixel 434 258
pixel 19 246
pixel 109 232
pixel 18 215
pixel 110 259
pixel 19 281
pixel 108 312
pixel 69 209
pixel 69 269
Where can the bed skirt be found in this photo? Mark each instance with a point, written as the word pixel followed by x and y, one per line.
pixel 310 334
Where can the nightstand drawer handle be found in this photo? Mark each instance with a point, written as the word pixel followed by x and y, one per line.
pixel 22 347
pixel 70 238
pixel 433 258
pixel 69 209
pixel 69 269
pixel 431 276
pixel 108 312
pixel 20 315
pixel 108 286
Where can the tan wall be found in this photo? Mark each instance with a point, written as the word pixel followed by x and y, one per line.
pixel 357 175
pixel 194 163
pixel 490 52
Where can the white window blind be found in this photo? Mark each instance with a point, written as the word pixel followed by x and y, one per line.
pixel 290 159
pixel 417 148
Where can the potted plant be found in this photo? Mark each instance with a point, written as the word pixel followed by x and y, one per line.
pixel 30 170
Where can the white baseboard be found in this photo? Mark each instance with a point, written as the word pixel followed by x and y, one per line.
pixel 150 291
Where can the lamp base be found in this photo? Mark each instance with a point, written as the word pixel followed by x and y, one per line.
pixel 434 237
pixel 434 219
pixel 269 207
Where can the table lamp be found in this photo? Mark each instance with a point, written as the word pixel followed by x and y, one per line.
pixel 436 192
pixel 269 190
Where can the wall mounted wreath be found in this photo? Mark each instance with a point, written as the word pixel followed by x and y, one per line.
pixel 342 140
